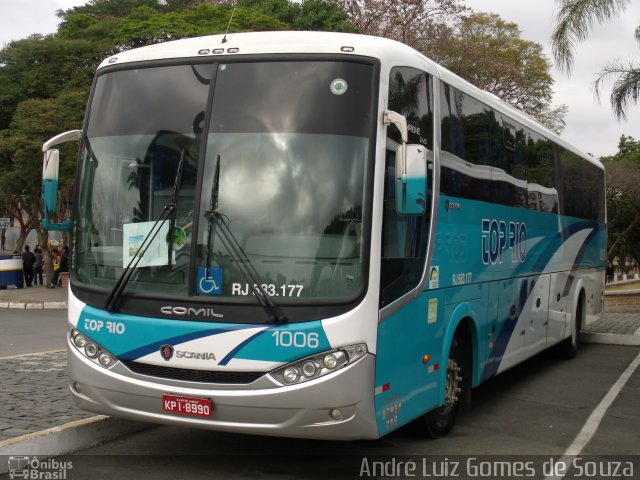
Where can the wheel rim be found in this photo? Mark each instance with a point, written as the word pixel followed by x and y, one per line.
pixel 452 386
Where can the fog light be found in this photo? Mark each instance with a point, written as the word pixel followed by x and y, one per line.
pixel 309 369
pixel 80 340
pixel 336 414
pixel 91 350
pixel 290 375
pixel 105 359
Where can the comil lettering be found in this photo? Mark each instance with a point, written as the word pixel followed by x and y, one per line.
pixel 191 311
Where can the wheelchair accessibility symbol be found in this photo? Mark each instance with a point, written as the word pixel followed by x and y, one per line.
pixel 209 281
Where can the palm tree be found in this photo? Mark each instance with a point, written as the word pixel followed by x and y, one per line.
pixel 575 19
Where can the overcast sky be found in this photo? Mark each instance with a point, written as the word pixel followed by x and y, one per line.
pixel 592 127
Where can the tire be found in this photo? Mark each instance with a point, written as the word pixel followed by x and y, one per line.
pixel 440 421
pixel 568 348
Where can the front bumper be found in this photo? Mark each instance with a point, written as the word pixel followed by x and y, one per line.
pixel 263 407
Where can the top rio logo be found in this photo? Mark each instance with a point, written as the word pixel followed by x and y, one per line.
pixel 498 235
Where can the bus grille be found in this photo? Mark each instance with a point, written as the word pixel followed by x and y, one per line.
pixel 187 375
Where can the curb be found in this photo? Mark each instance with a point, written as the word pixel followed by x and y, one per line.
pixel 610 338
pixel 34 305
pixel 68 438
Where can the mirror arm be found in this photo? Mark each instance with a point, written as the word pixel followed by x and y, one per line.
pixel 62 138
pixel 394 118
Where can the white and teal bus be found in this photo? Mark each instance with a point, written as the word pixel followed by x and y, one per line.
pixel 316 235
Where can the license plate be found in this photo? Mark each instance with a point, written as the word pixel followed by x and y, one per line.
pixel 194 407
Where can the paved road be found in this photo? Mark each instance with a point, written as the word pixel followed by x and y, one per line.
pixel 537 408
pixel 35 394
pixel 31 331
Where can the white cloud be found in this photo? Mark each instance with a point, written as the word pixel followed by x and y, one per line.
pixel 21 18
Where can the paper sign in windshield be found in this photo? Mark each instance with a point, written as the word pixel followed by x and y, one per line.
pixel 156 254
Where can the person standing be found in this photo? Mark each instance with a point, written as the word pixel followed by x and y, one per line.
pixel 64 267
pixel 609 270
pixel 37 267
pixel 28 260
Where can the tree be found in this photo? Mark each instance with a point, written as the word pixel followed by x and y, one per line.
pixel 623 199
pixel 421 24
pixel 21 151
pixel 42 67
pixel 575 20
pixel 489 52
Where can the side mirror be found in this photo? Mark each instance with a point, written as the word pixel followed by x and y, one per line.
pixel 50 169
pixel 411 170
pixel 411 179
pixel 50 173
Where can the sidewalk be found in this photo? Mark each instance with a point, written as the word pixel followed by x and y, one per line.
pixel 33 298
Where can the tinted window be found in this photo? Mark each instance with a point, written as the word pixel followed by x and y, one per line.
pixel 404 242
pixel 302 98
pixel 486 156
pixel 579 177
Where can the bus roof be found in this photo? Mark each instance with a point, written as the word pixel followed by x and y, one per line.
pixel 390 52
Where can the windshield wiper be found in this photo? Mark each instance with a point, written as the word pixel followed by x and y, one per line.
pixel 168 213
pixel 218 226
pixel 174 204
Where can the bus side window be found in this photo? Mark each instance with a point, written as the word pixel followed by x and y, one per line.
pixel 404 237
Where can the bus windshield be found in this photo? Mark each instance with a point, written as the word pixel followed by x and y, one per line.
pixel 278 151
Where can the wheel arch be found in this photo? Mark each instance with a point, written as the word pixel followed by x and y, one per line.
pixel 579 298
pixel 462 320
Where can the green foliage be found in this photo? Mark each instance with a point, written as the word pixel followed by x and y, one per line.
pixel 321 15
pixel 41 67
pixel 623 199
pixel 628 149
pixel 146 26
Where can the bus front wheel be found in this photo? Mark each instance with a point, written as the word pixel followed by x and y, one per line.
pixel 439 421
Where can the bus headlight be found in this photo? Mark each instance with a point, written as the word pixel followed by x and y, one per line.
pixel 318 365
pixel 91 350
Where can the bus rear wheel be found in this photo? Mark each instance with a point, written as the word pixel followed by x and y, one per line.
pixel 440 421
pixel 568 348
